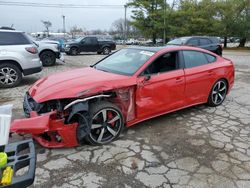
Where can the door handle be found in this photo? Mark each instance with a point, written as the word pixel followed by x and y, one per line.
pixel 210 73
pixel 179 79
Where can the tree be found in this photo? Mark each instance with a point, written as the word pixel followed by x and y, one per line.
pixel 47 24
pixel 193 17
pixel 234 17
pixel 75 31
pixel 118 28
pixel 148 17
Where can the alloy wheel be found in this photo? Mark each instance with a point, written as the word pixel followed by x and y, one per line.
pixel 8 76
pixel 106 51
pixel 106 125
pixel 219 92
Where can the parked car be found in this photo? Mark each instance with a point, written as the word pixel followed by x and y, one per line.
pixel 18 57
pixel 120 42
pixel 127 87
pixel 60 41
pixel 90 44
pixel 49 51
pixel 212 44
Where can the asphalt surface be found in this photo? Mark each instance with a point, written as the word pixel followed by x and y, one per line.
pixel 196 147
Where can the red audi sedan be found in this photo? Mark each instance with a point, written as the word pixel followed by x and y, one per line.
pixel 132 85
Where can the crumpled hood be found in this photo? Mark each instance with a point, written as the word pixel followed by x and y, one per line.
pixel 75 83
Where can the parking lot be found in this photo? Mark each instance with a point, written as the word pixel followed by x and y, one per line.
pixel 196 147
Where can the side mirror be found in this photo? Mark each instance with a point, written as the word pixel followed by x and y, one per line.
pixel 147 77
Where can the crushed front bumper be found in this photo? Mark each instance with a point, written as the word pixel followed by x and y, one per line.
pixel 47 130
pixel 21 155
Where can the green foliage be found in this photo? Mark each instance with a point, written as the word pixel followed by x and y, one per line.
pixel 192 17
pixel 148 17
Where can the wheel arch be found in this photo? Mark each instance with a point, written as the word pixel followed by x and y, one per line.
pixel 46 50
pixel 13 62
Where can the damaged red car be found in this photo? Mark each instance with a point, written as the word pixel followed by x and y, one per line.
pixel 132 85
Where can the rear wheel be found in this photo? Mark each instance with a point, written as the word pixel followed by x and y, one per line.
pixel 106 123
pixel 218 93
pixel 10 75
pixel 48 58
pixel 219 52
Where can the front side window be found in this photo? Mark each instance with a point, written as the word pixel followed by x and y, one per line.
pixel 125 61
pixel 194 58
pixel 164 63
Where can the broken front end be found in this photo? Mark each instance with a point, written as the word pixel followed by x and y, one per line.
pixel 67 122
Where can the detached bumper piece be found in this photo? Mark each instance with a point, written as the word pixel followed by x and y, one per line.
pixel 20 168
pixel 47 130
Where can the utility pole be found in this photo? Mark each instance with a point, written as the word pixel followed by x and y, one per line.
pixel 64 30
pixel 125 23
pixel 164 34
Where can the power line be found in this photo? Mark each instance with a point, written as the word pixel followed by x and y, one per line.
pixel 48 5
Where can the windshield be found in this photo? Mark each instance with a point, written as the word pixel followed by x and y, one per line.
pixel 79 39
pixel 125 61
pixel 179 41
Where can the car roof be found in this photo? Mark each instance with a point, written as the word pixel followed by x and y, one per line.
pixel 149 48
pixel 10 31
pixel 165 48
pixel 188 37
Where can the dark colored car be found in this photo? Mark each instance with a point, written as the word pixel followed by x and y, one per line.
pixel 212 44
pixel 90 44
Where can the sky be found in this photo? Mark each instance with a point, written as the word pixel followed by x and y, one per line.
pixel 28 19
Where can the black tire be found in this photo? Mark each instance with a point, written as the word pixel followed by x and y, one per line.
pixel 73 51
pixel 218 93
pixel 99 53
pixel 48 58
pixel 14 72
pixel 117 126
pixel 106 50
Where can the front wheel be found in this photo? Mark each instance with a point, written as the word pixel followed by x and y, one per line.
pixel 218 93
pixel 48 58
pixel 73 51
pixel 106 123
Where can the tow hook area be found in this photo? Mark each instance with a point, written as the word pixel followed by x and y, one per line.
pixel 47 130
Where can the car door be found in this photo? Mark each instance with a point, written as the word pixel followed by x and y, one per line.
pixel 199 76
pixel 86 44
pixel 160 87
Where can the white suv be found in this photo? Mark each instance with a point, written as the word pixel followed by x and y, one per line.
pixel 18 57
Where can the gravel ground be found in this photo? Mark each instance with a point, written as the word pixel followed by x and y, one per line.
pixel 196 147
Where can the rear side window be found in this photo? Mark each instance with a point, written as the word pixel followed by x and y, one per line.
pixel 13 38
pixel 210 58
pixel 204 42
pixel 194 59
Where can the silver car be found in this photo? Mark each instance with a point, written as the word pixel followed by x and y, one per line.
pixel 18 57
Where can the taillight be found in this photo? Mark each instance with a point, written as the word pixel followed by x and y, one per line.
pixel 32 50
